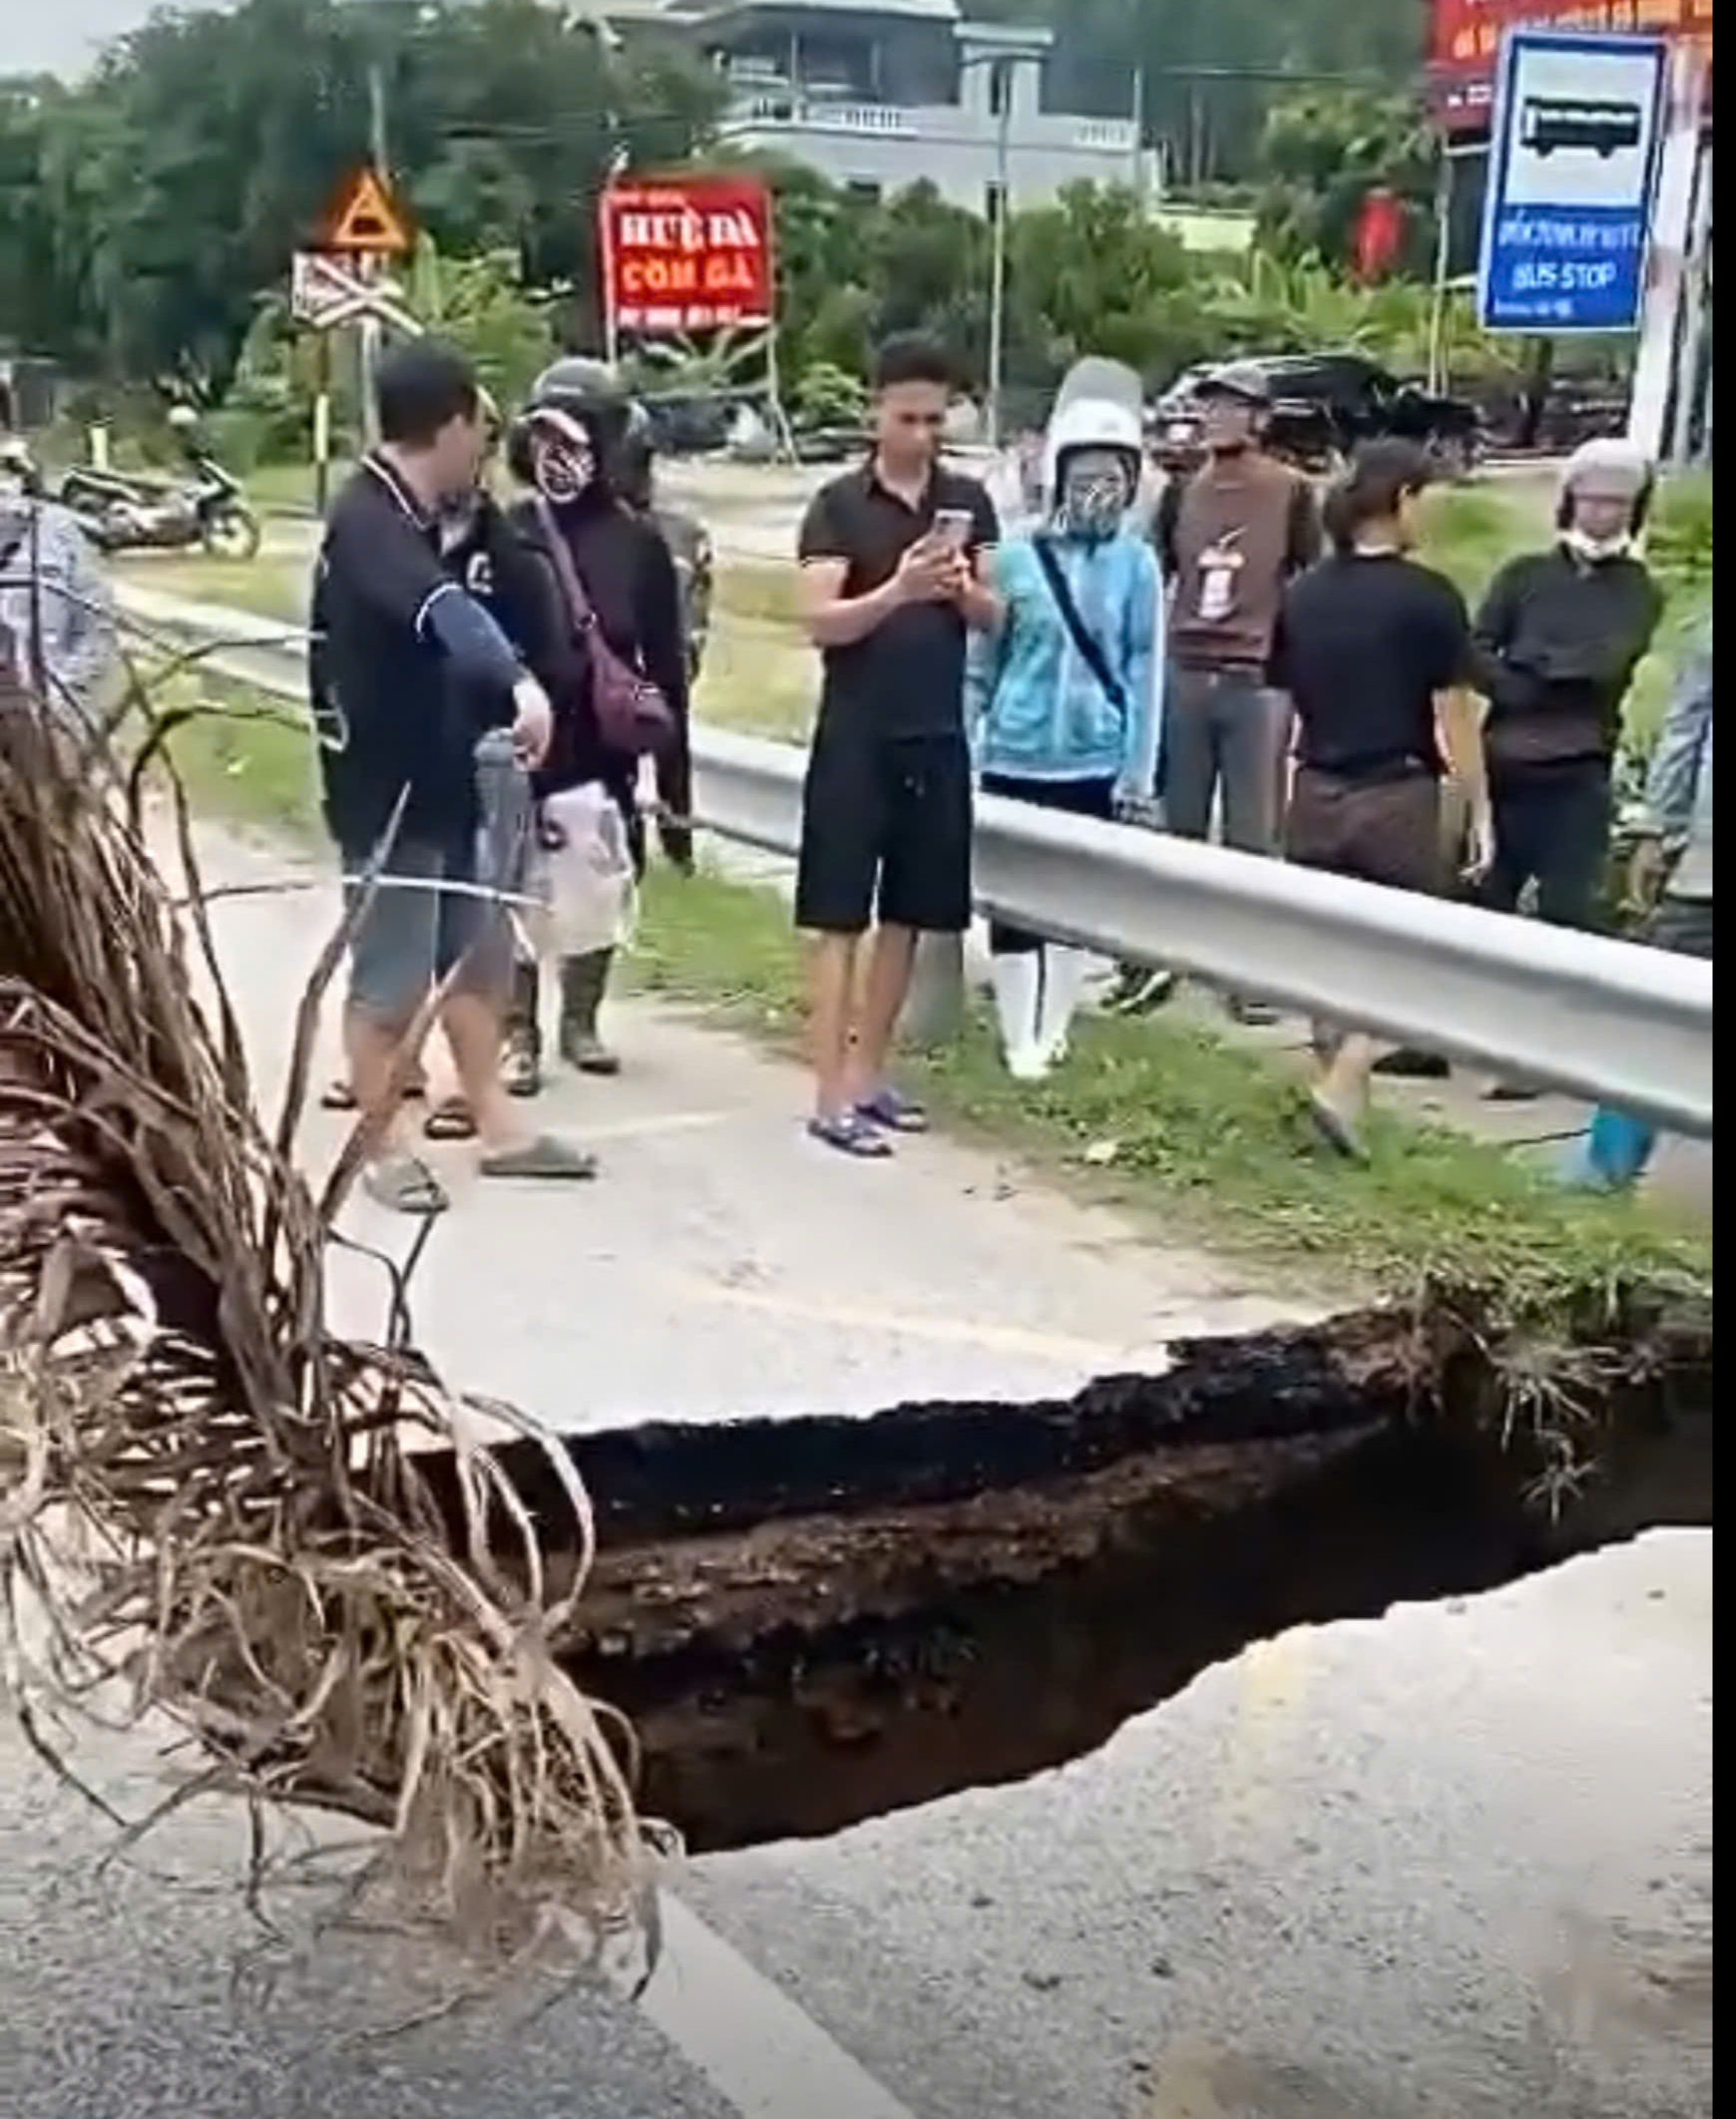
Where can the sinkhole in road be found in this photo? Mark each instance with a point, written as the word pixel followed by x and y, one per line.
pixel 813 1621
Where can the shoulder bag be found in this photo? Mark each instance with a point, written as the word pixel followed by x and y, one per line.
pixel 632 716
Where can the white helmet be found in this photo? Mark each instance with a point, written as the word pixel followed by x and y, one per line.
pixel 1099 406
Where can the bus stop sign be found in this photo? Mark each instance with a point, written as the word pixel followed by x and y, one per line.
pixel 1577 125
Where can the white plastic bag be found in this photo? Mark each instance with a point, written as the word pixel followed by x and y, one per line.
pixel 588 872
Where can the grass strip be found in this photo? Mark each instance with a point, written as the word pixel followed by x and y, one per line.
pixel 1205 1139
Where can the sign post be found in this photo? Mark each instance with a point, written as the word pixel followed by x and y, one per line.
pixel 689 258
pixel 343 282
pixel 364 226
pixel 1572 182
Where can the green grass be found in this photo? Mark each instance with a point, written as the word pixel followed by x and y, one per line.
pixel 288 485
pixel 241 756
pixel 1203 1139
pixel 274 588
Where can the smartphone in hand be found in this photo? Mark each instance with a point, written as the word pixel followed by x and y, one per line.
pixel 953 527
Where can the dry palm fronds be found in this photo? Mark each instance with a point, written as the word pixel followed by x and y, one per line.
pixel 206 1502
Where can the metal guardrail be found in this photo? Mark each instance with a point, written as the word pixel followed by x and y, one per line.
pixel 1572 1012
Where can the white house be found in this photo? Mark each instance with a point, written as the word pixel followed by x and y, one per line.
pixel 881 94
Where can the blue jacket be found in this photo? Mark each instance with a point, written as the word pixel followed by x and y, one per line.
pixel 1032 704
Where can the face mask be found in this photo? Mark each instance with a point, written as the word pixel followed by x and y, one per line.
pixel 1095 492
pixel 562 460
pixel 1594 549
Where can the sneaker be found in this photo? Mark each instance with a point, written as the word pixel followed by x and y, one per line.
pixel 1141 989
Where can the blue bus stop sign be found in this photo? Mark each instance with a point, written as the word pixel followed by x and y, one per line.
pixel 1578 127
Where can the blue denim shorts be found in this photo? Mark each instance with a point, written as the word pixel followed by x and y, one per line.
pixel 426 919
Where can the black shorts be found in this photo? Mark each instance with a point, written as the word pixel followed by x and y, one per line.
pixel 886 832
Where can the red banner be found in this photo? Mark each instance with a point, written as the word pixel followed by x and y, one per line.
pixel 1464 39
pixel 686 253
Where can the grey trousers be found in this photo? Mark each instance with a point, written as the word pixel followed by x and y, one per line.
pixel 1225 734
pixel 507 840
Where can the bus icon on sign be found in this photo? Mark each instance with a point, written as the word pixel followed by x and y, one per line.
pixel 1547 123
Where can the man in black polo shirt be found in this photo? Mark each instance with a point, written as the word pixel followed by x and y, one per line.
pixel 892 576
pixel 405 669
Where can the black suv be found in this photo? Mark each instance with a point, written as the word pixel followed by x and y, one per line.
pixel 1323 404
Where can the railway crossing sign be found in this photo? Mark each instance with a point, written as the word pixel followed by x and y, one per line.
pixel 1568 219
pixel 326 290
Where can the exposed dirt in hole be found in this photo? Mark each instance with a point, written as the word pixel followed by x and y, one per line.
pixel 809 1622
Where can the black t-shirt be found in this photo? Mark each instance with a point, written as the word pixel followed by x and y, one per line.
pixel 1364 645
pixel 906 678
pixel 389 713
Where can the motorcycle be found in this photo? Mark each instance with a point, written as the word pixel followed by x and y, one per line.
pixel 123 513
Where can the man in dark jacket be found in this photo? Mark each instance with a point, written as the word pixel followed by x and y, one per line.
pixel 405 668
pixel 1557 640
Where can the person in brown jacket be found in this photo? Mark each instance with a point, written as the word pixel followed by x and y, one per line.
pixel 1229 540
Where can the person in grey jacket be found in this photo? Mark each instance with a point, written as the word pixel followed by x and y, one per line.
pixel 1674 864
pixel 57 616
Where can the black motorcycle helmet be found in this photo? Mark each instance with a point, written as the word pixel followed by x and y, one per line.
pixel 631 475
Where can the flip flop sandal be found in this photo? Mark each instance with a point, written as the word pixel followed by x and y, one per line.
pixel 851 1134
pixel 544 1157
pixel 451 1119
pixel 339 1096
pixel 896 1112
pixel 406 1184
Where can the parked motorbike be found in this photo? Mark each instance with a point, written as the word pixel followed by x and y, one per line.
pixel 123 513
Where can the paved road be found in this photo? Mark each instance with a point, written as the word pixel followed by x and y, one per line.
pixel 1452 1864
pixel 725 1264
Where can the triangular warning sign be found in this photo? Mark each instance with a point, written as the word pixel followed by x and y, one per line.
pixel 366 219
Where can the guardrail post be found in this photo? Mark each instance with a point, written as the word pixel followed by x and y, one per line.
pixel 934 1010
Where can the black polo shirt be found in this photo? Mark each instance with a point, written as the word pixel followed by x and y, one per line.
pixel 907 676
pixel 387 714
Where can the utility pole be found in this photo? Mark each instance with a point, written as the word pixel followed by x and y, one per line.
pixel 1002 76
pixel 368 329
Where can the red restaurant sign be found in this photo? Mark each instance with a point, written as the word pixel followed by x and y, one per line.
pixel 686 253
pixel 1464 40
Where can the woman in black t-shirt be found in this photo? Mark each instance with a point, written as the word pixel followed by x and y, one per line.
pixel 1375 652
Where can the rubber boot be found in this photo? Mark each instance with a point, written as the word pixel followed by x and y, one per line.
pixel 1611 1154
pixel 521 1059
pixel 583 980
pixel 1018 978
pixel 1064 977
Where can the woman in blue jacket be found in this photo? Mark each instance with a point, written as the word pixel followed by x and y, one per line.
pixel 1064 698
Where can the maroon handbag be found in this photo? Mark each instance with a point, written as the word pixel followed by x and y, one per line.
pixel 632 716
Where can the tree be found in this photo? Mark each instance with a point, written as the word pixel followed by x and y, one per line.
pixel 1092 275
pixel 1324 151
pixel 206 147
